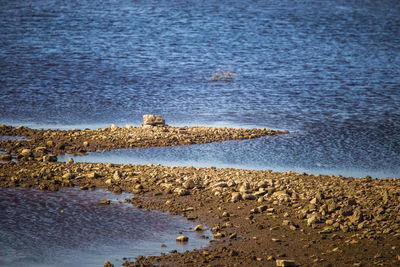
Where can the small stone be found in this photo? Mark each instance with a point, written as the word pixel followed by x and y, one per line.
pixel 68 176
pixel 233 253
pixel 236 196
pixel 199 228
pixel 226 214
pixel 331 205
pixel 313 218
pixel 262 208
pixel 347 210
pixel 113 127
pixel 232 236
pixel 5 157
pixel 188 184
pixel 219 235
pixel 351 202
pixel 105 202
pixel 50 143
pixel 282 196
pixel 117 175
pixel 93 175
pixel 327 230
pixel 108 264
pixel 70 160
pixel 244 187
pixel 138 187
pixel 181 191
pixel 182 238
pixel 248 196
pixel 26 152
pixel 314 201
pixel 221 184
pixel 50 158
pixel 285 263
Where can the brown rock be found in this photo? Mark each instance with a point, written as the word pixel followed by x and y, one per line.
pixel 285 263
pixel 5 157
pixel 236 196
pixel 199 228
pixel 105 202
pixel 347 210
pixel 153 120
pixel 188 184
pixel 26 152
pixel 182 238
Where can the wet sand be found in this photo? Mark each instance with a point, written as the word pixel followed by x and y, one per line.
pixel 258 218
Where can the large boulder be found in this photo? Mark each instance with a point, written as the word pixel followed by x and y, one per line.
pixel 153 120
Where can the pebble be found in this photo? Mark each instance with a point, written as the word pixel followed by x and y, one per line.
pixel 182 238
pixel 285 263
pixel 199 228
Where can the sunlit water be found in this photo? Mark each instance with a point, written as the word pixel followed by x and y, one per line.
pixel 71 228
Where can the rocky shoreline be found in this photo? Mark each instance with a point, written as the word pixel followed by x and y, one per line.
pixel 258 218
pixel 45 145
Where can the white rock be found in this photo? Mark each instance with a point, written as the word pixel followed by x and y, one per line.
pixel 153 120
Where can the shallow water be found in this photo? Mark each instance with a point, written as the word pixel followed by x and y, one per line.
pixel 12 138
pixel 329 70
pixel 261 154
pixel 34 232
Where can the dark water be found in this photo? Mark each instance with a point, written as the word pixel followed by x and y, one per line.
pixel 34 232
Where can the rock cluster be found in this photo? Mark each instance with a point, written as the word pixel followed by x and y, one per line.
pixel 153 120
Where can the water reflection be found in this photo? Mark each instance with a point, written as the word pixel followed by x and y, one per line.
pixel 71 228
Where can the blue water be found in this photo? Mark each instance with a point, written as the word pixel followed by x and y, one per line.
pixel 34 231
pixel 329 70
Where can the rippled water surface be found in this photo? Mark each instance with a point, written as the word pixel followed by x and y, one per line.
pixel 71 228
pixel 329 70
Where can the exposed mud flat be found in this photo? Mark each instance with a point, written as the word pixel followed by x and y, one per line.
pixel 258 218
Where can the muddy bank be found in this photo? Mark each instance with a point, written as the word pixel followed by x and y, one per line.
pixel 258 218
pixel 44 145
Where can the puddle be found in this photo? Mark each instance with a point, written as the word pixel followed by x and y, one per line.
pixel 71 228
pixel 12 138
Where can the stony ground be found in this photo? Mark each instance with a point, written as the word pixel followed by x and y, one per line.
pixel 258 218
pixel 39 143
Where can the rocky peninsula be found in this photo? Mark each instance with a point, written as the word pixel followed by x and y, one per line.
pixel 258 218
pixel 45 145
